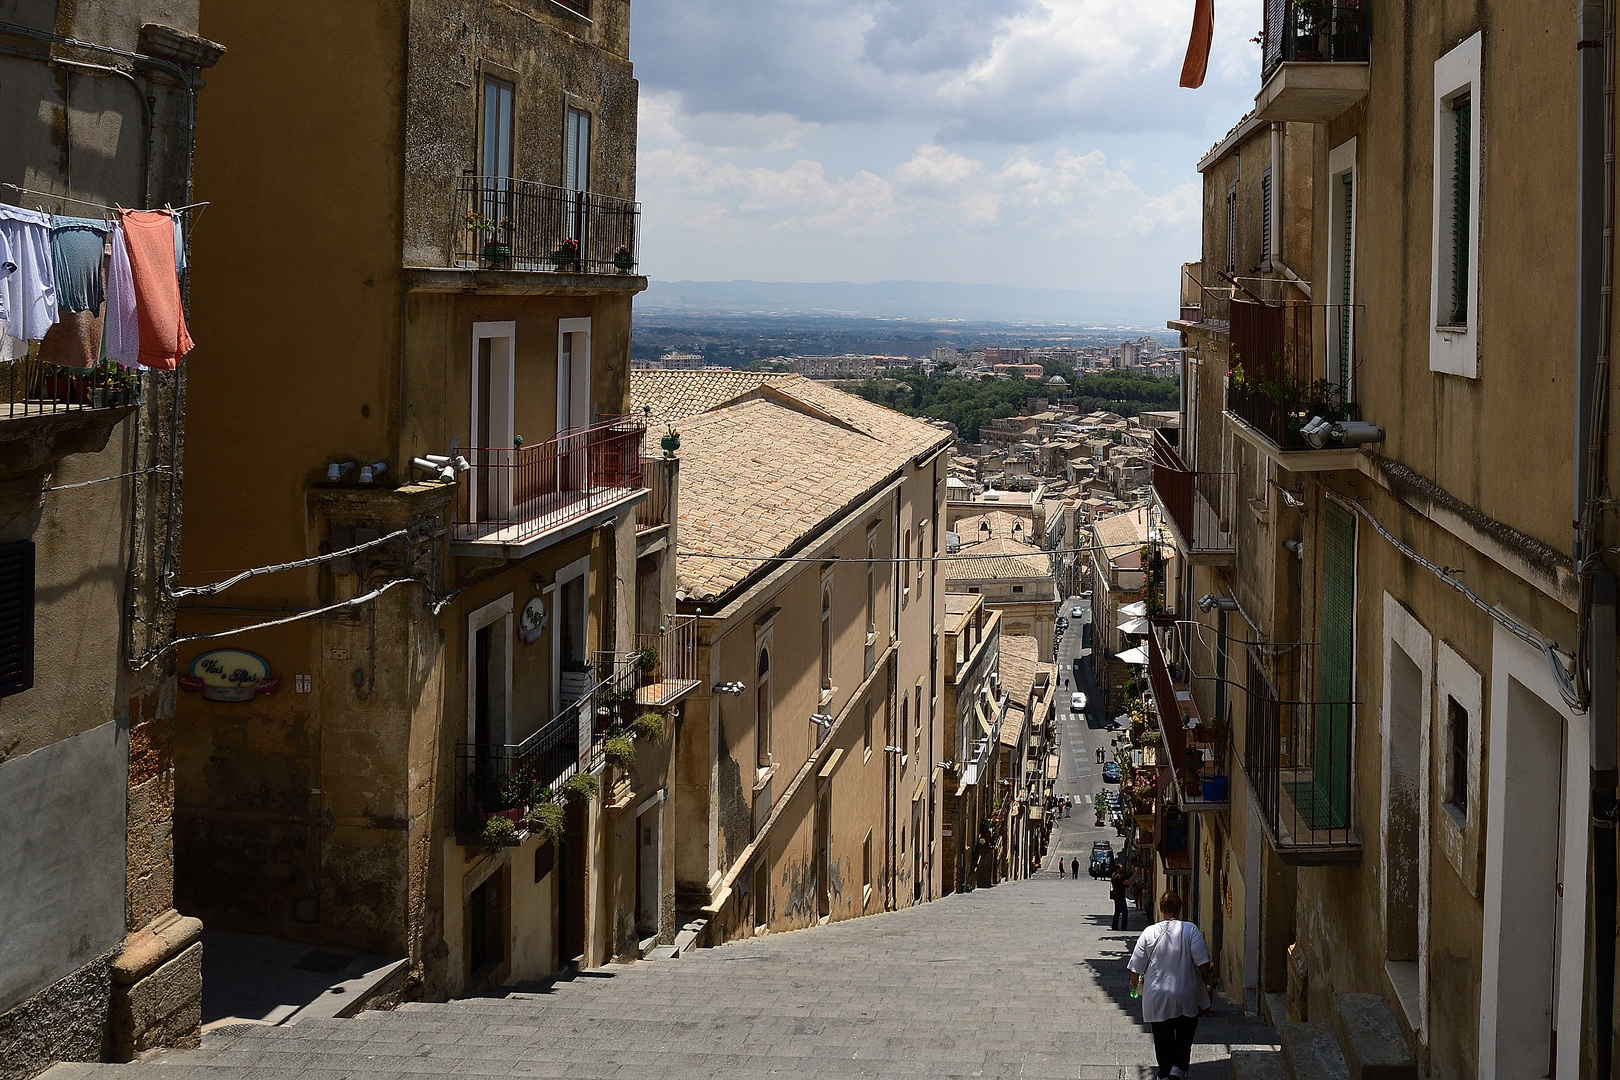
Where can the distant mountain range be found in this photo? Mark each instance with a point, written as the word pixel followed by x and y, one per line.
pixel 926 300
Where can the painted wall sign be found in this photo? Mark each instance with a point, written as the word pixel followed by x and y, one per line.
pixel 230 675
pixel 532 620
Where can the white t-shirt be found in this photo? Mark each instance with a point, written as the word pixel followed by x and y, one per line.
pixel 1167 956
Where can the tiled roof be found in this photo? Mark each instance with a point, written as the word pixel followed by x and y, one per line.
pixel 1019 561
pixel 1122 536
pixel 1020 659
pixel 767 460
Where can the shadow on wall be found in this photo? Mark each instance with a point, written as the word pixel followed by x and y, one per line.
pixel 736 814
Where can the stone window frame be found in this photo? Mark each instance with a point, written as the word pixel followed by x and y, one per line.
pixel 1459 833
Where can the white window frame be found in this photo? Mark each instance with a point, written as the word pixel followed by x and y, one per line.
pixel 1454 350
pixel 496 611
pixel 502 411
pixel 579 568
pixel 1342 287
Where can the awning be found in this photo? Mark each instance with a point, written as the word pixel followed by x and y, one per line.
pixel 1137 655
pixel 1051 767
pixel 1135 626
pixel 1137 610
pixel 984 721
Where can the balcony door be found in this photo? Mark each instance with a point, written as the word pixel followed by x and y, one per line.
pixel 495 138
pixel 489 679
pixel 1341 322
pixel 577 172
pixel 573 403
pixel 491 425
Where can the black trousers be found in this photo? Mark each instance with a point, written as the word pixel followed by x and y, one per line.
pixel 1122 916
pixel 1172 1042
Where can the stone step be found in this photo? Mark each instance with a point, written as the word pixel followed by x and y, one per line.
pixel 1374 1045
pixel 1258 1065
pixel 1313 1052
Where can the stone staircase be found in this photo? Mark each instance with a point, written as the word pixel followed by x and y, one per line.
pixel 1364 1042
pixel 1020 980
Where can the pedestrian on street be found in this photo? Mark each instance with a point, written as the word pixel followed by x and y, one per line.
pixel 1122 911
pixel 1074 869
pixel 1170 967
pixel 1100 757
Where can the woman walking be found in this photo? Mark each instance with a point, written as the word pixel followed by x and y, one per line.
pixel 1171 969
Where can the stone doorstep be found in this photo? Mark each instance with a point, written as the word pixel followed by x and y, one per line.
pixel 161 1008
pixel 352 996
pixel 163 938
pixel 1313 1052
pixel 1375 1048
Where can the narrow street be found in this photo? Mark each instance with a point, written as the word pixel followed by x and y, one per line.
pixel 1024 979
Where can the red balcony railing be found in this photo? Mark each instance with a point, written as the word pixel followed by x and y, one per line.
pixel 1289 362
pixel 1201 505
pixel 516 493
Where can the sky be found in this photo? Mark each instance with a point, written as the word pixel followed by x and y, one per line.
pixel 1024 142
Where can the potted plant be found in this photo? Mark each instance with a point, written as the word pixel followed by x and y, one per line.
pixel 498 832
pixel 647 664
pixel 619 750
pixel 671 441
pixel 547 818
pixel 649 726
pixel 496 250
pixel 1214 789
pixel 566 255
pixel 624 258
pixel 582 787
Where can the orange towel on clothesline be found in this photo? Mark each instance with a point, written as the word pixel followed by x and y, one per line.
pixel 1198 46
pixel 149 239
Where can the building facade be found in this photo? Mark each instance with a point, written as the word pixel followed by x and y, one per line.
pixel 1419 653
pixel 478 627
pixel 809 770
pixel 973 704
pixel 94 960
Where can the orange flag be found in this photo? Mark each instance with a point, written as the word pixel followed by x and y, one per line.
pixel 1203 35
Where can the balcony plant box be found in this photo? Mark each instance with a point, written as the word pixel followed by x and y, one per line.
pixel 497 252
pixel 624 260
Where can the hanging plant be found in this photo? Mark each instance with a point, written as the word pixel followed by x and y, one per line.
pixel 649 726
pixel 498 832
pixel 619 750
pixel 582 786
pixel 547 819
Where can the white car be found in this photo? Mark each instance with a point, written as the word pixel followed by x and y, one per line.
pixel 1077 703
pixel 1077 612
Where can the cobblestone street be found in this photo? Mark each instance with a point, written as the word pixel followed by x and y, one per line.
pixel 1021 980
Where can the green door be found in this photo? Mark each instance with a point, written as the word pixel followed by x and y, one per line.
pixel 1336 668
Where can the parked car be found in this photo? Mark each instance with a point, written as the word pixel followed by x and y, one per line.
pixel 1077 703
pixel 1077 612
pixel 1111 772
pixel 1102 859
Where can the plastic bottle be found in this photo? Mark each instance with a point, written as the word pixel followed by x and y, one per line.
pixel 1136 991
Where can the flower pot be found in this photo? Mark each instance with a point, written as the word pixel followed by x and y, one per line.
pixel 625 263
pixel 670 443
pixel 1215 789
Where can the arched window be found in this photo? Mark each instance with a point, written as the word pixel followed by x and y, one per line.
pixel 762 706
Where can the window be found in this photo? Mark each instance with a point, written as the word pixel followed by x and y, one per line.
pixel 1457 755
pixel 866 867
pixel 917 711
pixel 905 569
pixel 497 133
pixel 866 725
pixel 491 422
pixel 1454 269
pixel 762 710
pixel 871 585
pixel 1231 229
pixel 16 617
pixel 1265 220
pixel 1341 265
pixel 1017 588
pixel 905 722
pixel 577 151
pixel 826 638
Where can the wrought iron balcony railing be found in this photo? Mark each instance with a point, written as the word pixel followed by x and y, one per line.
pixel 1199 505
pixel 1291 362
pixel 515 494
pixel 1298 760
pixel 35 388
pixel 502 223
pixel 670 662
pixel 1194 755
pixel 1315 31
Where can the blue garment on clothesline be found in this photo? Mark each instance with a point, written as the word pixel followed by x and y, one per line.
pixel 77 249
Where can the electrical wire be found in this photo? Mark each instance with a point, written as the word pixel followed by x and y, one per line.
pixel 959 557
pixel 221 586
pixel 1556 656
pixel 105 479
pixel 147 660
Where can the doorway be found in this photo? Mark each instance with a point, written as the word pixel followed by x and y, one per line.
pixel 823 842
pixel 649 885
pixel 1404 858
pixel 573 849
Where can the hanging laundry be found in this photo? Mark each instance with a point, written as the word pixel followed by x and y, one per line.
pixel 74 342
pixel 122 342
pixel 149 240
pixel 1196 65
pixel 78 255
pixel 27 280
pixel 179 248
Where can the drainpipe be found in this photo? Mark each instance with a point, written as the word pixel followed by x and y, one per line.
pixel 1276 213
pixel 1597 651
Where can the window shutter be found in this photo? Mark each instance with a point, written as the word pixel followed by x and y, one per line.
pixel 1462 113
pixel 1336 669
pixel 16 617
pixel 1265 220
pixel 1347 240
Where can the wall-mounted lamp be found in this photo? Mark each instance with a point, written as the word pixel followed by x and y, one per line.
pixel 894 750
pixel 1210 602
pixel 821 719
pixel 338 470
pixel 1295 546
pixel 369 473
pixel 735 689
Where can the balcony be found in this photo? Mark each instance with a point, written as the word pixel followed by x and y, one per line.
pixel 50 413
pixel 1291 362
pixel 670 662
pixel 508 780
pixel 1199 506
pixel 1297 757
pixel 501 223
pixel 516 500
pixel 658 476
pixel 1313 59
pixel 1193 752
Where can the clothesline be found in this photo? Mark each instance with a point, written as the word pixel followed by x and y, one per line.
pixel 99 206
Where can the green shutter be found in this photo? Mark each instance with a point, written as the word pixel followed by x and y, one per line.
pixel 1347 239
pixel 1336 668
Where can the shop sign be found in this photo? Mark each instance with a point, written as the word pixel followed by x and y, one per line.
pixel 532 619
pixel 230 675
